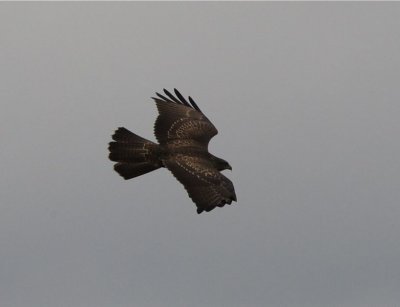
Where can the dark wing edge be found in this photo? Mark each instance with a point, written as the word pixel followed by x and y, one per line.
pixel 206 186
pixel 179 99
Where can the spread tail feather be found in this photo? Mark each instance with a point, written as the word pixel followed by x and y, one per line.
pixel 135 155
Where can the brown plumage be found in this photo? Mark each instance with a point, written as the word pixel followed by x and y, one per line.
pixel 183 133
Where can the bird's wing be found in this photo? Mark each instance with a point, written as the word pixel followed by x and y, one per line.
pixel 206 186
pixel 179 119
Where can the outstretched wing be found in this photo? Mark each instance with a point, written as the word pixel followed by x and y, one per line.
pixel 180 119
pixel 206 186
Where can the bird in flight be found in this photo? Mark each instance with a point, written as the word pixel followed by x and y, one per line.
pixel 183 133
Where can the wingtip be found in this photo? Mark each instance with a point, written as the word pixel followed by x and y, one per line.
pixel 234 198
pixel 179 99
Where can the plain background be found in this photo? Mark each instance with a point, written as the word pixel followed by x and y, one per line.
pixel 306 98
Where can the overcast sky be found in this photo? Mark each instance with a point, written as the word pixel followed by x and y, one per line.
pixel 306 99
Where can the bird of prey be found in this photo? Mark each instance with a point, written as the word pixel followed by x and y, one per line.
pixel 183 133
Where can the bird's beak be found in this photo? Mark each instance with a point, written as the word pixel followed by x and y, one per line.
pixel 230 167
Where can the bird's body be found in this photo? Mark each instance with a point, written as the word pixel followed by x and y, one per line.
pixel 183 133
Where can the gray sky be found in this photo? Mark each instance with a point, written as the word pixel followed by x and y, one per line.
pixel 306 99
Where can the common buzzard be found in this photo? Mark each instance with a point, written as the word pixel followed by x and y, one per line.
pixel 183 133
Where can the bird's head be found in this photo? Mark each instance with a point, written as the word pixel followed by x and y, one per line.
pixel 221 164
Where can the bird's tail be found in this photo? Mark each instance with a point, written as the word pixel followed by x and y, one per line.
pixel 135 155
